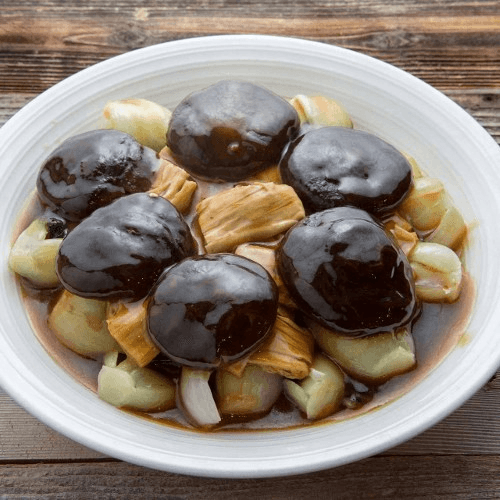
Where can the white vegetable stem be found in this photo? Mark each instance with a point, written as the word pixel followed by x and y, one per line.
pixel 321 393
pixel 34 257
pixel 196 397
pixel 372 359
pixel 127 385
pixel 146 121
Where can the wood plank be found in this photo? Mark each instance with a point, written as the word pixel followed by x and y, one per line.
pixel 11 103
pixel 93 33
pixel 37 54
pixel 24 438
pixel 482 104
pixel 265 8
pixel 456 478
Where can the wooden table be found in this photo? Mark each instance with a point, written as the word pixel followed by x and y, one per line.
pixel 452 44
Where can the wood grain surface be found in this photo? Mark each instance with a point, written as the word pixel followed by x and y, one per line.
pixel 452 45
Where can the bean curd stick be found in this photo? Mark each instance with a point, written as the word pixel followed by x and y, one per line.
pixel 247 212
pixel 288 351
pixel 175 185
pixel 127 325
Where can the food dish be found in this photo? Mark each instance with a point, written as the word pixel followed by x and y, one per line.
pixel 397 94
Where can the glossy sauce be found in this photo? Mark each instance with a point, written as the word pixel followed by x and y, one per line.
pixel 343 270
pixel 120 250
pixel 335 166
pixel 211 141
pixel 212 309
pixel 92 169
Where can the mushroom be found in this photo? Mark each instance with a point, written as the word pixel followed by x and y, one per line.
pixel 336 166
pixel 212 308
pixel 120 249
pixel 92 169
pixel 230 130
pixel 345 272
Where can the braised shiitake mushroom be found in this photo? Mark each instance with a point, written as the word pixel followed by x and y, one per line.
pixel 335 166
pixel 346 272
pixel 210 308
pixel 92 169
pixel 230 130
pixel 120 249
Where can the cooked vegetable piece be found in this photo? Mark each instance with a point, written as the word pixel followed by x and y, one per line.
pixel 230 130
pixel 196 398
pixel 373 359
pixel 92 169
pixel 321 393
pixel 451 230
pixel 175 185
pixel 144 120
pixel 125 385
pixel 120 250
pixel 320 110
pixel 335 166
pixel 344 271
pixel 212 308
pixel 438 272
pixel 254 392
pixel 430 210
pixel 426 204
pixel 34 257
pixel 80 324
pixel 288 351
pixel 417 172
pixel 245 213
pixel 128 326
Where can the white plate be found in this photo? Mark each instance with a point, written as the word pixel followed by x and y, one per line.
pixel 400 108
